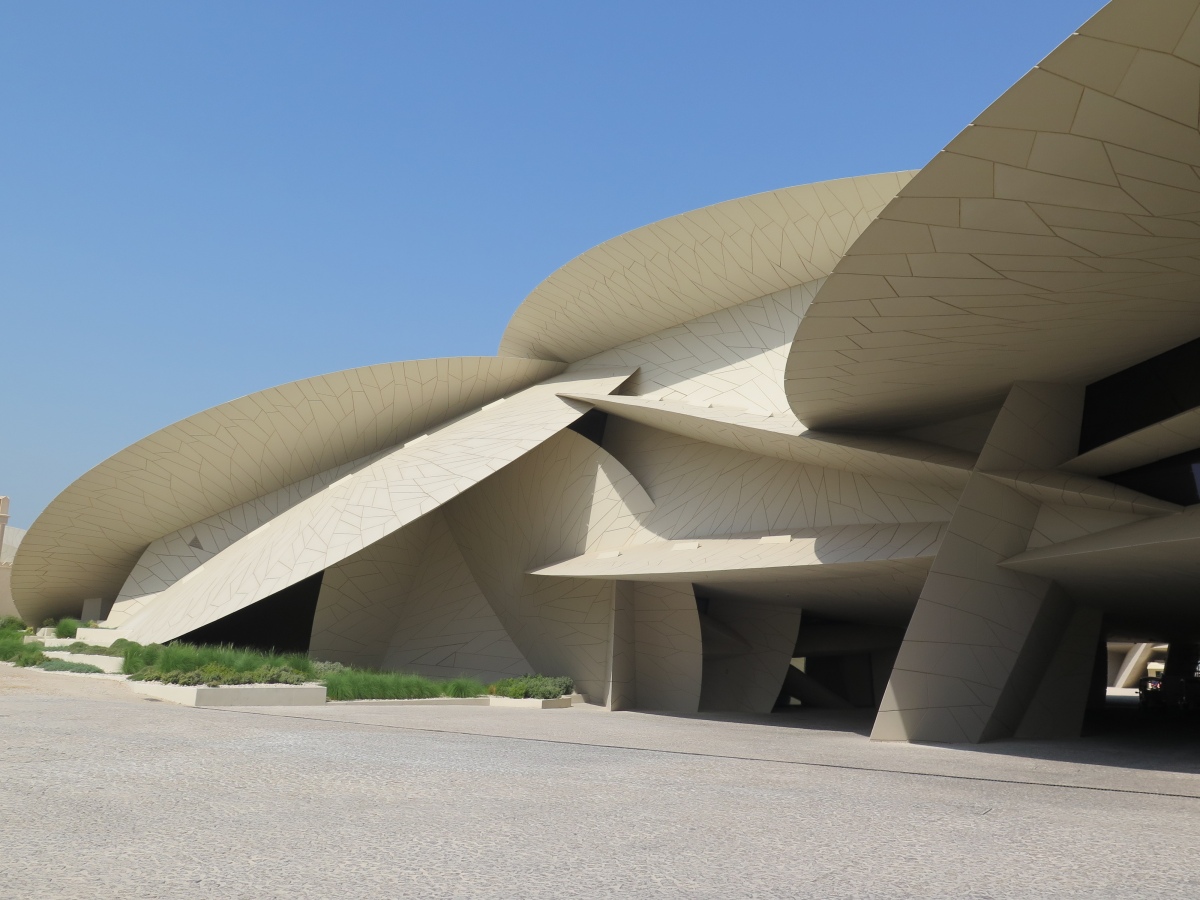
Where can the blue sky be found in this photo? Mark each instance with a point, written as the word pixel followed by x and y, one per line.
pixel 200 199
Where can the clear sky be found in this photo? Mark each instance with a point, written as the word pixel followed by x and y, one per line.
pixel 199 200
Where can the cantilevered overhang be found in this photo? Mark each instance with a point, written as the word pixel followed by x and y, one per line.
pixel 1056 239
pixel 1143 575
pixel 90 536
pixel 694 264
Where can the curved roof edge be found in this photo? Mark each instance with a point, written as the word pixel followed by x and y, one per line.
pixel 694 264
pixel 1055 239
pixel 90 536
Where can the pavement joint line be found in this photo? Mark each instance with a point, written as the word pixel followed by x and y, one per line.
pixel 696 753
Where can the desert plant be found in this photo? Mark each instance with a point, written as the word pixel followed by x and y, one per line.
pixel 189 658
pixel 11 623
pixel 215 674
pixel 359 684
pixel 13 648
pixel 21 654
pixel 49 623
pixel 321 668
pixel 66 665
pixel 91 623
pixel 536 687
pixel 93 649
pixel 463 687
pixel 66 628
pixel 137 657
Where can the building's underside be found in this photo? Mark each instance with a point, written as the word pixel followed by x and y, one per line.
pixel 935 433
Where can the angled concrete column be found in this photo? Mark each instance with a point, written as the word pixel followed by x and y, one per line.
pixel 982 637
pixel 622 666
pixel 670 663
pixel 1133 666
pixel 1057 707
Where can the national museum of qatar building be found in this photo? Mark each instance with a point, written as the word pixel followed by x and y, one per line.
pixel 920 442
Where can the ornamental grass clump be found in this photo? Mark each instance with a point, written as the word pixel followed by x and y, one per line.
pixel 228 665
pixel 358 684
pixel 216 675
pixel 213 666
pixel 533 687
pixel 13 648
pixel 66 628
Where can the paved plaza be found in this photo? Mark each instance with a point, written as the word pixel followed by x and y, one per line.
pixel 110 795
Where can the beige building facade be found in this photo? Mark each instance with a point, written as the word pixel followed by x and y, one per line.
pixel 9 539
pixel 920 442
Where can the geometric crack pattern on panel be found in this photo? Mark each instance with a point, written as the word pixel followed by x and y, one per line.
pixel 776 436
pixel 1064 216
pixel 701 489
pixel 539 510
pixel 707 361
pixel 393 489
pixel 748 557
pixel 669 660
pixel 746 678
pixel 447 627
pixel 965 670
pixel 409 602
pixel 859 401
pixel 90 536
pixel 175 556
pixel 362 598
pixel 693 264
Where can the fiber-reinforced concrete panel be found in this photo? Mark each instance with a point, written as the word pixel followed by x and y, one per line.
pixel 558 501
pixel 982 636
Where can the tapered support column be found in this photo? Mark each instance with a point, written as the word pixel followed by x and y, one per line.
pixel 622 665
pixel 982 637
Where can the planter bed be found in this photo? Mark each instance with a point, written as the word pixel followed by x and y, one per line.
pixel 424 701
pixel 108 664
pixel 556 703
pixel 234 694
pixel 99 637
pixel 49 643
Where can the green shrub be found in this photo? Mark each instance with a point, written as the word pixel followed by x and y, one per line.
pixel 137 657
pixel 11 623
pixel 536 687
pixel 359 684
pixel 187 664
pixel 185 658
pixel 216 674
pixel 82 647
pixel 14 649
pixel 463 687
pixel 321 668
pixel 66 628
pixel 25 655
pixel 91 623
pixel 94 649
pixel 65 665
pixel 49 623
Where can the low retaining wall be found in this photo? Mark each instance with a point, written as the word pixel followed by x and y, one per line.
pixel 97 637
pixel 556 703
pixel 234 694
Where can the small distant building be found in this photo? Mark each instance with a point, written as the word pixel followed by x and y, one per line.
pixel 9 538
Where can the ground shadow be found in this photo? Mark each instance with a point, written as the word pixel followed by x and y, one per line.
pixel 847 721
pixel 1118 736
